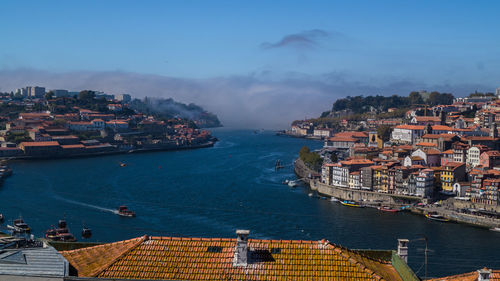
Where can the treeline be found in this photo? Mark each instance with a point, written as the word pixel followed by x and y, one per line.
pixel 361 104
pixel 311 159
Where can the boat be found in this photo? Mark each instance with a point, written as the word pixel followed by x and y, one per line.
pixel 86 232
pixel 62 223
pixel 333 199
pixel 292 183
pixel 125 212
pixel 285 181
pixel 436 217
pixel 310 194
pixel 388 209
pixel 496 229
pixel 66 237
pixel 278 165
pixel 1 218
pixel 122 164
pixel 61 233
pixel 20 226
pixel 351 204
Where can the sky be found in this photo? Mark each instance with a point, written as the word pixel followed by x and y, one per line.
pixel 277 60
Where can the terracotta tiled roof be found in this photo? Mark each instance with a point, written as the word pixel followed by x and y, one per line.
pixel 39 143
pixel 470 276
pixel 430 144
pixel 410 127
pixel 212 259
pixel 437 136
pixel 93 260
pixel 441 128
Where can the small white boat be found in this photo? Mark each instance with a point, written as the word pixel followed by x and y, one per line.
pixel 292 183
pixel 333 199
pixel 497 229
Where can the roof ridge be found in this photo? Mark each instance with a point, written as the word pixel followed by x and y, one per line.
pixel 139 241
pixel 350 256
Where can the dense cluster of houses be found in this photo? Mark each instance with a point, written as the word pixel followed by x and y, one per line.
pixel 84 131
pixel 445 151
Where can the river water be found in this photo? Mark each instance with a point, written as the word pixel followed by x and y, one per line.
pixel 214 191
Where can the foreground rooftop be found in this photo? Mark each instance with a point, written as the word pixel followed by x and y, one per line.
pixel 174 258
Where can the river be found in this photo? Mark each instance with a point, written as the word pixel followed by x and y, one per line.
pixel 212 192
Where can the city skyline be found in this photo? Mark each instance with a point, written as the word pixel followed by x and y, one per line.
pixel 252 55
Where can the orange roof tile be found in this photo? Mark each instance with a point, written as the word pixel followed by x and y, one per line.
pixel 410 127
pixel 429 144
pixel 39 143
pixel 441 128
pixel 174 258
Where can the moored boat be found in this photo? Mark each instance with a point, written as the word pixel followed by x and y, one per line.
pixel 292 183
pixel 125 212
pixel 388 209
pixel 333 199
pixel 436 217
pixel 20 226
pixel 351 203
pixel 61 233
pixel 497 229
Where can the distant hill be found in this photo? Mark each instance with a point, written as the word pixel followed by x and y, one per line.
pixel 169 108
pixel 360 104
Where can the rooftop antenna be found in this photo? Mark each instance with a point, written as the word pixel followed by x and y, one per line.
pixel 426 250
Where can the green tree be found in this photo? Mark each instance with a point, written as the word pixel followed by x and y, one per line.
pixel 303 152
pixel 86 96
pixel 334 157
pixel 384 132
pixel 49 95
pixel 415 98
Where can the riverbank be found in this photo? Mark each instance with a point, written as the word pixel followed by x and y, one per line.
pixel 376 199
pixel 114 152
pixel 290 134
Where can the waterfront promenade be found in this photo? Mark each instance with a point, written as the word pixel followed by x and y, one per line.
pixel 376 199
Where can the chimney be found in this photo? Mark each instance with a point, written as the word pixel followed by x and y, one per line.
pixel 241 250
pixel 403 249
pixel 483 274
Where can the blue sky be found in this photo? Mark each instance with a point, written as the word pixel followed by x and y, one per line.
pixel 200 39
pixel 447 45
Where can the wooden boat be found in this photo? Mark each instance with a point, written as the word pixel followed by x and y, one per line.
pixel 436 217
pixel 351 204
pixel 19 226
pixel 388 209
pixel 125 212
pixel 86 232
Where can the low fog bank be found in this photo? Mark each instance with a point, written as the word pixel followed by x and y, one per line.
pixel 252 101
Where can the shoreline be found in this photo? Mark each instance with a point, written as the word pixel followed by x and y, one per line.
pixel 115 152
pixel 376 199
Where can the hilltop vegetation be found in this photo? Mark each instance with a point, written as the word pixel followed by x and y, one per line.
pixel 360 104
